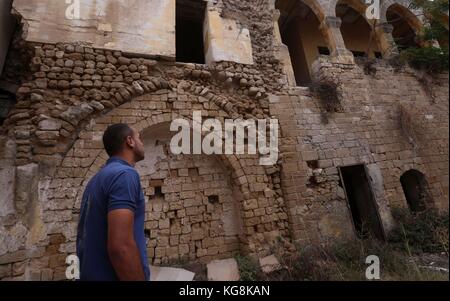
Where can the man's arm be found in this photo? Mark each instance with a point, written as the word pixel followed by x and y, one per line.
pixel 122 249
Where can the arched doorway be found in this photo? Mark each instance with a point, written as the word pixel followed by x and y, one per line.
pixel 416 191
pixel 405 26
pixel 358 35
pixel 299 27
pixel 193 210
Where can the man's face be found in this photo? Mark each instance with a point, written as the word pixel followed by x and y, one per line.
pixel 138 146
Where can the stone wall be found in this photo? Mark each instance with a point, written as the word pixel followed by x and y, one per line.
pixel 386 120
pixel 53 139
pixel 151 32
pixel 103 24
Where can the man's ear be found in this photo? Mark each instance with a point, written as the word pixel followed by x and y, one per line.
pixel 130 142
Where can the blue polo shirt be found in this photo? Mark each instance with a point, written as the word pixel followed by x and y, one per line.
pixel 115 186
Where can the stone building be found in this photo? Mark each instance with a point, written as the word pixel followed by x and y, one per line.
pixel 358 136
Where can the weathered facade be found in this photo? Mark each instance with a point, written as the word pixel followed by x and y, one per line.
pixel 381 142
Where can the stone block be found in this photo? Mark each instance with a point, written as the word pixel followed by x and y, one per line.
pixel 223 270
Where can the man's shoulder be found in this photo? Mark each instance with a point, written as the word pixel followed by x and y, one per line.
pixel 115 170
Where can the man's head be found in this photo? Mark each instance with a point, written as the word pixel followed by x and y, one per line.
pixel 122 140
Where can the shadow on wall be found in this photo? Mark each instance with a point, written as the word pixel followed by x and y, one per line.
pixel 193 208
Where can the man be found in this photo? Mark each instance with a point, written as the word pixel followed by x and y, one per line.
pixel 111 243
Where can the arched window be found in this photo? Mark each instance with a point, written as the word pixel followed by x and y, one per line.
pixel 416 191
pixel 405 25
pixel 356 31
pixel 299 28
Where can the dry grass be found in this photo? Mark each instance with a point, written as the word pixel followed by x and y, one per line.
pixel 401 258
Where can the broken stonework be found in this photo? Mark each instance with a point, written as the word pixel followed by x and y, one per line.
pixel 26 186
pixel 269 264
pixel 7 181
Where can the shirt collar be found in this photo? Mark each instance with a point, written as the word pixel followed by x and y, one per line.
pixel 119 160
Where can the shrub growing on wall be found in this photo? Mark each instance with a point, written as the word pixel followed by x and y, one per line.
pixel 430 58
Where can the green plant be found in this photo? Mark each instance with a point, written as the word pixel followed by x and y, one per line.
pixel 425 231
pixel 248 268
pixel 415 234
pixel 429 57
pixel 327 92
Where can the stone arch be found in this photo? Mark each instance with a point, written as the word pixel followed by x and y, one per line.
pixel 396 194
pixel 416 190
pixel 56 127
pixel 263 216
pixel 358 32
pixel 314 5
pixel 406 25
pixel 358 5
pixel 300 31
pixel 405 7
pixel 147 123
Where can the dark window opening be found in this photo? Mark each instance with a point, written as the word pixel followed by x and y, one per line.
pixel 7 102
pixel 358 53
pixel 158 192
pixel 415 188
pixel 362 202
pixel 299 29
pixel 356 31
pixel 190 15
pixel 213 199
pixel 403 33
pixel 312 182
pixel 193 172
pixel 314 164
pixel 324 50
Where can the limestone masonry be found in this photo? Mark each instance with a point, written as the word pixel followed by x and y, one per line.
pixel 378 139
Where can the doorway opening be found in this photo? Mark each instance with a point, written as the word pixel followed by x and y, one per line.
pixel 415 188
pixel 364 211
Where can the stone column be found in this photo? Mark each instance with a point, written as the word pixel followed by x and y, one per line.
pixel 225 40
pixel 383 32
pixel 283 51
pixel 330 28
